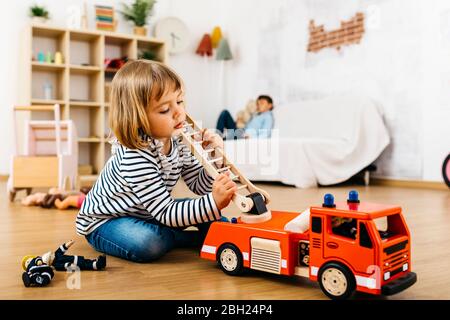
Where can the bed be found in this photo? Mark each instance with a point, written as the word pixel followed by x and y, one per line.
pixel 316 142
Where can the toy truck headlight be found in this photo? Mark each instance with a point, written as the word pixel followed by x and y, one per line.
pixel 387 275
pixel 405 267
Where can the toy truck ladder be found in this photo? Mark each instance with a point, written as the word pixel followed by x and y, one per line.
pixel 252 205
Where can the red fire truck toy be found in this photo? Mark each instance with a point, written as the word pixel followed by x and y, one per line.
pixel 344 246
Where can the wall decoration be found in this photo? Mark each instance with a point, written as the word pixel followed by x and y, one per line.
pixel 216 36
pixel 175 32
pixel 205 46
pixel 104 17
pixel 350 32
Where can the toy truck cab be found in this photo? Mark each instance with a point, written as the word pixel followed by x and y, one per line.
pixel 359 246
pixel 344 246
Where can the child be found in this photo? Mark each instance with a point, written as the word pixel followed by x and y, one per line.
pixel 129 212
pixel 259 126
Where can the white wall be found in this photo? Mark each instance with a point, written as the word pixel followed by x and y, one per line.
pixel 402 62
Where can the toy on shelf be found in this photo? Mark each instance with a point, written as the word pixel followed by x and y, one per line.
pixel 112 65
pixel 50 155
pixel 38 270
pixel 346 247
pixel 252 205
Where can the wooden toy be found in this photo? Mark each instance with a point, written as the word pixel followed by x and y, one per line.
pixel 346 247
pixel 253 205
pixel 50 154
pixel 49 57
pixel 58 57
pixel 40 56
pixel 104 17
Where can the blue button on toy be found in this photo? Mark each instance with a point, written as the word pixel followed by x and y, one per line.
pixel 233 220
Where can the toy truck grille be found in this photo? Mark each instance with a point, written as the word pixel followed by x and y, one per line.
pixel 396 263
pixel 266 255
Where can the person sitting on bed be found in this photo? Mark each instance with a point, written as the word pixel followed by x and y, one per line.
pixel 259 126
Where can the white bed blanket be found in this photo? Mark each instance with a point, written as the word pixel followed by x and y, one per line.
pixel 314 142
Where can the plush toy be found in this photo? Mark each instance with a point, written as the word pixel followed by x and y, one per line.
pixel 245 115
pixel 34 199
pixel 72 201
pixel 38 270
pixel 57 197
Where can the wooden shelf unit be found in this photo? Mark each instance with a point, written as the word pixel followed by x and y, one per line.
pixel 81 84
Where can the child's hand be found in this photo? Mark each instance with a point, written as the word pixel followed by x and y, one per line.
pixel 223 190
pixel 214 141
pixel 211 140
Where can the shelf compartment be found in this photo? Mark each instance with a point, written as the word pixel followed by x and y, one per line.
pixel 89 123
pixel 157 48
pixel 48 39
pixel 85 49
pixel 56 78
pixel 117 47
pixel 85 87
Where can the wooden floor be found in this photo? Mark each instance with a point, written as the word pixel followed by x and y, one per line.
pixel 183 275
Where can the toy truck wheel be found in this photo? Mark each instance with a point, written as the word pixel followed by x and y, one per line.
pixel 337 281
pixel 229 257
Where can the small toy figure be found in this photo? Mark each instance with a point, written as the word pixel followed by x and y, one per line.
pixel 36 272
pixel 61 262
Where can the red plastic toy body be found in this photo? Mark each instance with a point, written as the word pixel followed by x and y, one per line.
pixel 345 247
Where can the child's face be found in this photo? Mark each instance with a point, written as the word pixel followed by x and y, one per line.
pixel 166 116
pixel 263 105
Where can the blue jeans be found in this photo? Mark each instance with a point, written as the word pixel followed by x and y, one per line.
pixel 143 241
pixel 226 121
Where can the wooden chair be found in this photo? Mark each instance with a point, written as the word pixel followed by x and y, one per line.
pixel 50 157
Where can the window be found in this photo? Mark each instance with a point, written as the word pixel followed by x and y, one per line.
pixel 390 226
pixel 316 226
pixel 364 237
pixel 344 227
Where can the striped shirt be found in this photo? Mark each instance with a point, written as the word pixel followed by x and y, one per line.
pixel 137 183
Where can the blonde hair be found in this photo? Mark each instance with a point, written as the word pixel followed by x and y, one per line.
pixel 132 89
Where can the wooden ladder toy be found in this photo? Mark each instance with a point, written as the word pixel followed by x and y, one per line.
pixel 252 205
